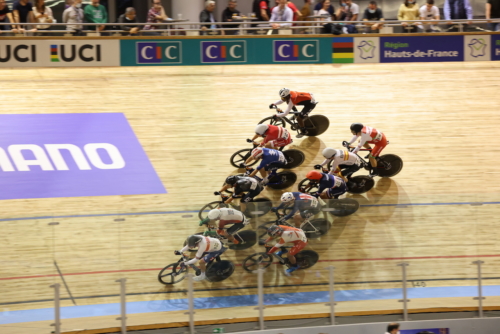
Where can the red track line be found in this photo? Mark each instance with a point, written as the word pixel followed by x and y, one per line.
pixel 339 260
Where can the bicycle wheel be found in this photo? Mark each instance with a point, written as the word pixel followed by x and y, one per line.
pixel 342 207
pixel 257 261
pixel 246 238
pixel 394 165
pixel 307 258
pixel 360 184
pixel 307 186
pixel 258 207
pixel 202 214
pixel 219 270
pixel 172 274
pixel 282 180
pixel 316 125
pixel 295 158
pixel 240 157
pixel 316 228
pixel 270 120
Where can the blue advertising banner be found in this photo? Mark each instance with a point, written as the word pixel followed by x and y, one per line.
pixel 69 155
pixel 421 49
pixel 495 47
pixel 426 331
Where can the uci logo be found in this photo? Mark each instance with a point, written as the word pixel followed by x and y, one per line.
pixel 21 53
pixel 224 52
pixel 296 51
pixel 26 155
pixel 159 53
pixel 70 53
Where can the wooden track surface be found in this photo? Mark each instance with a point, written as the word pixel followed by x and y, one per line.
pixel 190 120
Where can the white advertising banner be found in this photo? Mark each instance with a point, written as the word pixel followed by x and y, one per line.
pixel 477 48
pixel 367 49
pixel 59 53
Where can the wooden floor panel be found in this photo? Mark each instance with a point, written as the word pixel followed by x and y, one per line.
pixel 442 119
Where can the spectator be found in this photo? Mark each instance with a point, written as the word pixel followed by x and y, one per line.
pixel 324 11
pixel 349 11
pixel 306 11
pixel 42 14
pixel 227 16
pixel 281 13
pixel 127 20
pixel 493 12
pixel 457 10
pixel 261 10
pixel 67 4
pixel 429 12
pixel 320 5
pixel 73 17
pixel 96 13
pixel 372 13
pixel 392 328
pixel 408 11
pixel 207 16
pixel 23 13
pixel 296 12
pixel 155 15
pixel 6 16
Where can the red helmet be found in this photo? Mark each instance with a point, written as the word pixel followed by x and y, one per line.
pixel 314 175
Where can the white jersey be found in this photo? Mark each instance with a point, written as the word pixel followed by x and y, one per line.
pixel 206 245
pixel 231 216
pixel 291 236
pixel 342 157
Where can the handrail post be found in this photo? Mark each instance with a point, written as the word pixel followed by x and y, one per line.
pixel 332 296
pixel 260 274
pixel 57 309
pixel 190 302
pixel 123 305
pixel 405 292
pixel 479 297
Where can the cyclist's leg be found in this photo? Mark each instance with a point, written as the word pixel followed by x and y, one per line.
pixel 232 230
pixel 297 219
pixel 294 250
pixel 335 192
pixel 308 106
pixel 377 149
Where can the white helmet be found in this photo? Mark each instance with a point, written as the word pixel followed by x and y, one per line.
pixel 257 152
pixel 284 92
pixel 214 214
pixel 329 153
pixel 261 129
pixel 287 197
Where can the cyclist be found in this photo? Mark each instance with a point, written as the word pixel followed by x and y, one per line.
pixel 208 249
pixel 343 160
pixel 293 99
pixel 287 234
pixel 274 136
pixel 335 185
pixel 226 216
pixel 242 184
pixel 304 206
pixel 271 161
pixel 368 136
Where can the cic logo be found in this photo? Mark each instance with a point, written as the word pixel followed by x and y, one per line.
pixel 224 52
pixel 296 51
pixel 159 53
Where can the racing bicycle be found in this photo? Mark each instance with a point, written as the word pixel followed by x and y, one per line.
pixel 315 124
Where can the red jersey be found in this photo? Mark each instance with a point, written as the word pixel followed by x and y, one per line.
pixel 276 132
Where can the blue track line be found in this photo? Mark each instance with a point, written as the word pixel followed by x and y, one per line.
pixel 173 212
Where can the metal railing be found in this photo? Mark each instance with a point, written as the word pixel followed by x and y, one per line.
pixel 260 304
pixel 245 27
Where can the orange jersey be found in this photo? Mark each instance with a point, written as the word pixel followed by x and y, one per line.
pixel 297 97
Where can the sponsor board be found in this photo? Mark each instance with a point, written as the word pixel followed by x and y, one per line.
pixel 301 50
pixel 227 52
pixel 421 49
pixel 68 155
pixel 343 50
pixel 426 331
pixel 59 53
pixel 495 47
pixel 477 48
pixel 159 53
pixel 367 49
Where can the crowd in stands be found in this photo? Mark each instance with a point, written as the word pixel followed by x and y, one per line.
pixel 272 11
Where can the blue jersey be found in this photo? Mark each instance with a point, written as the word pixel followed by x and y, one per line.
pixel 329 181
pixel 302 202
pixel 269 156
